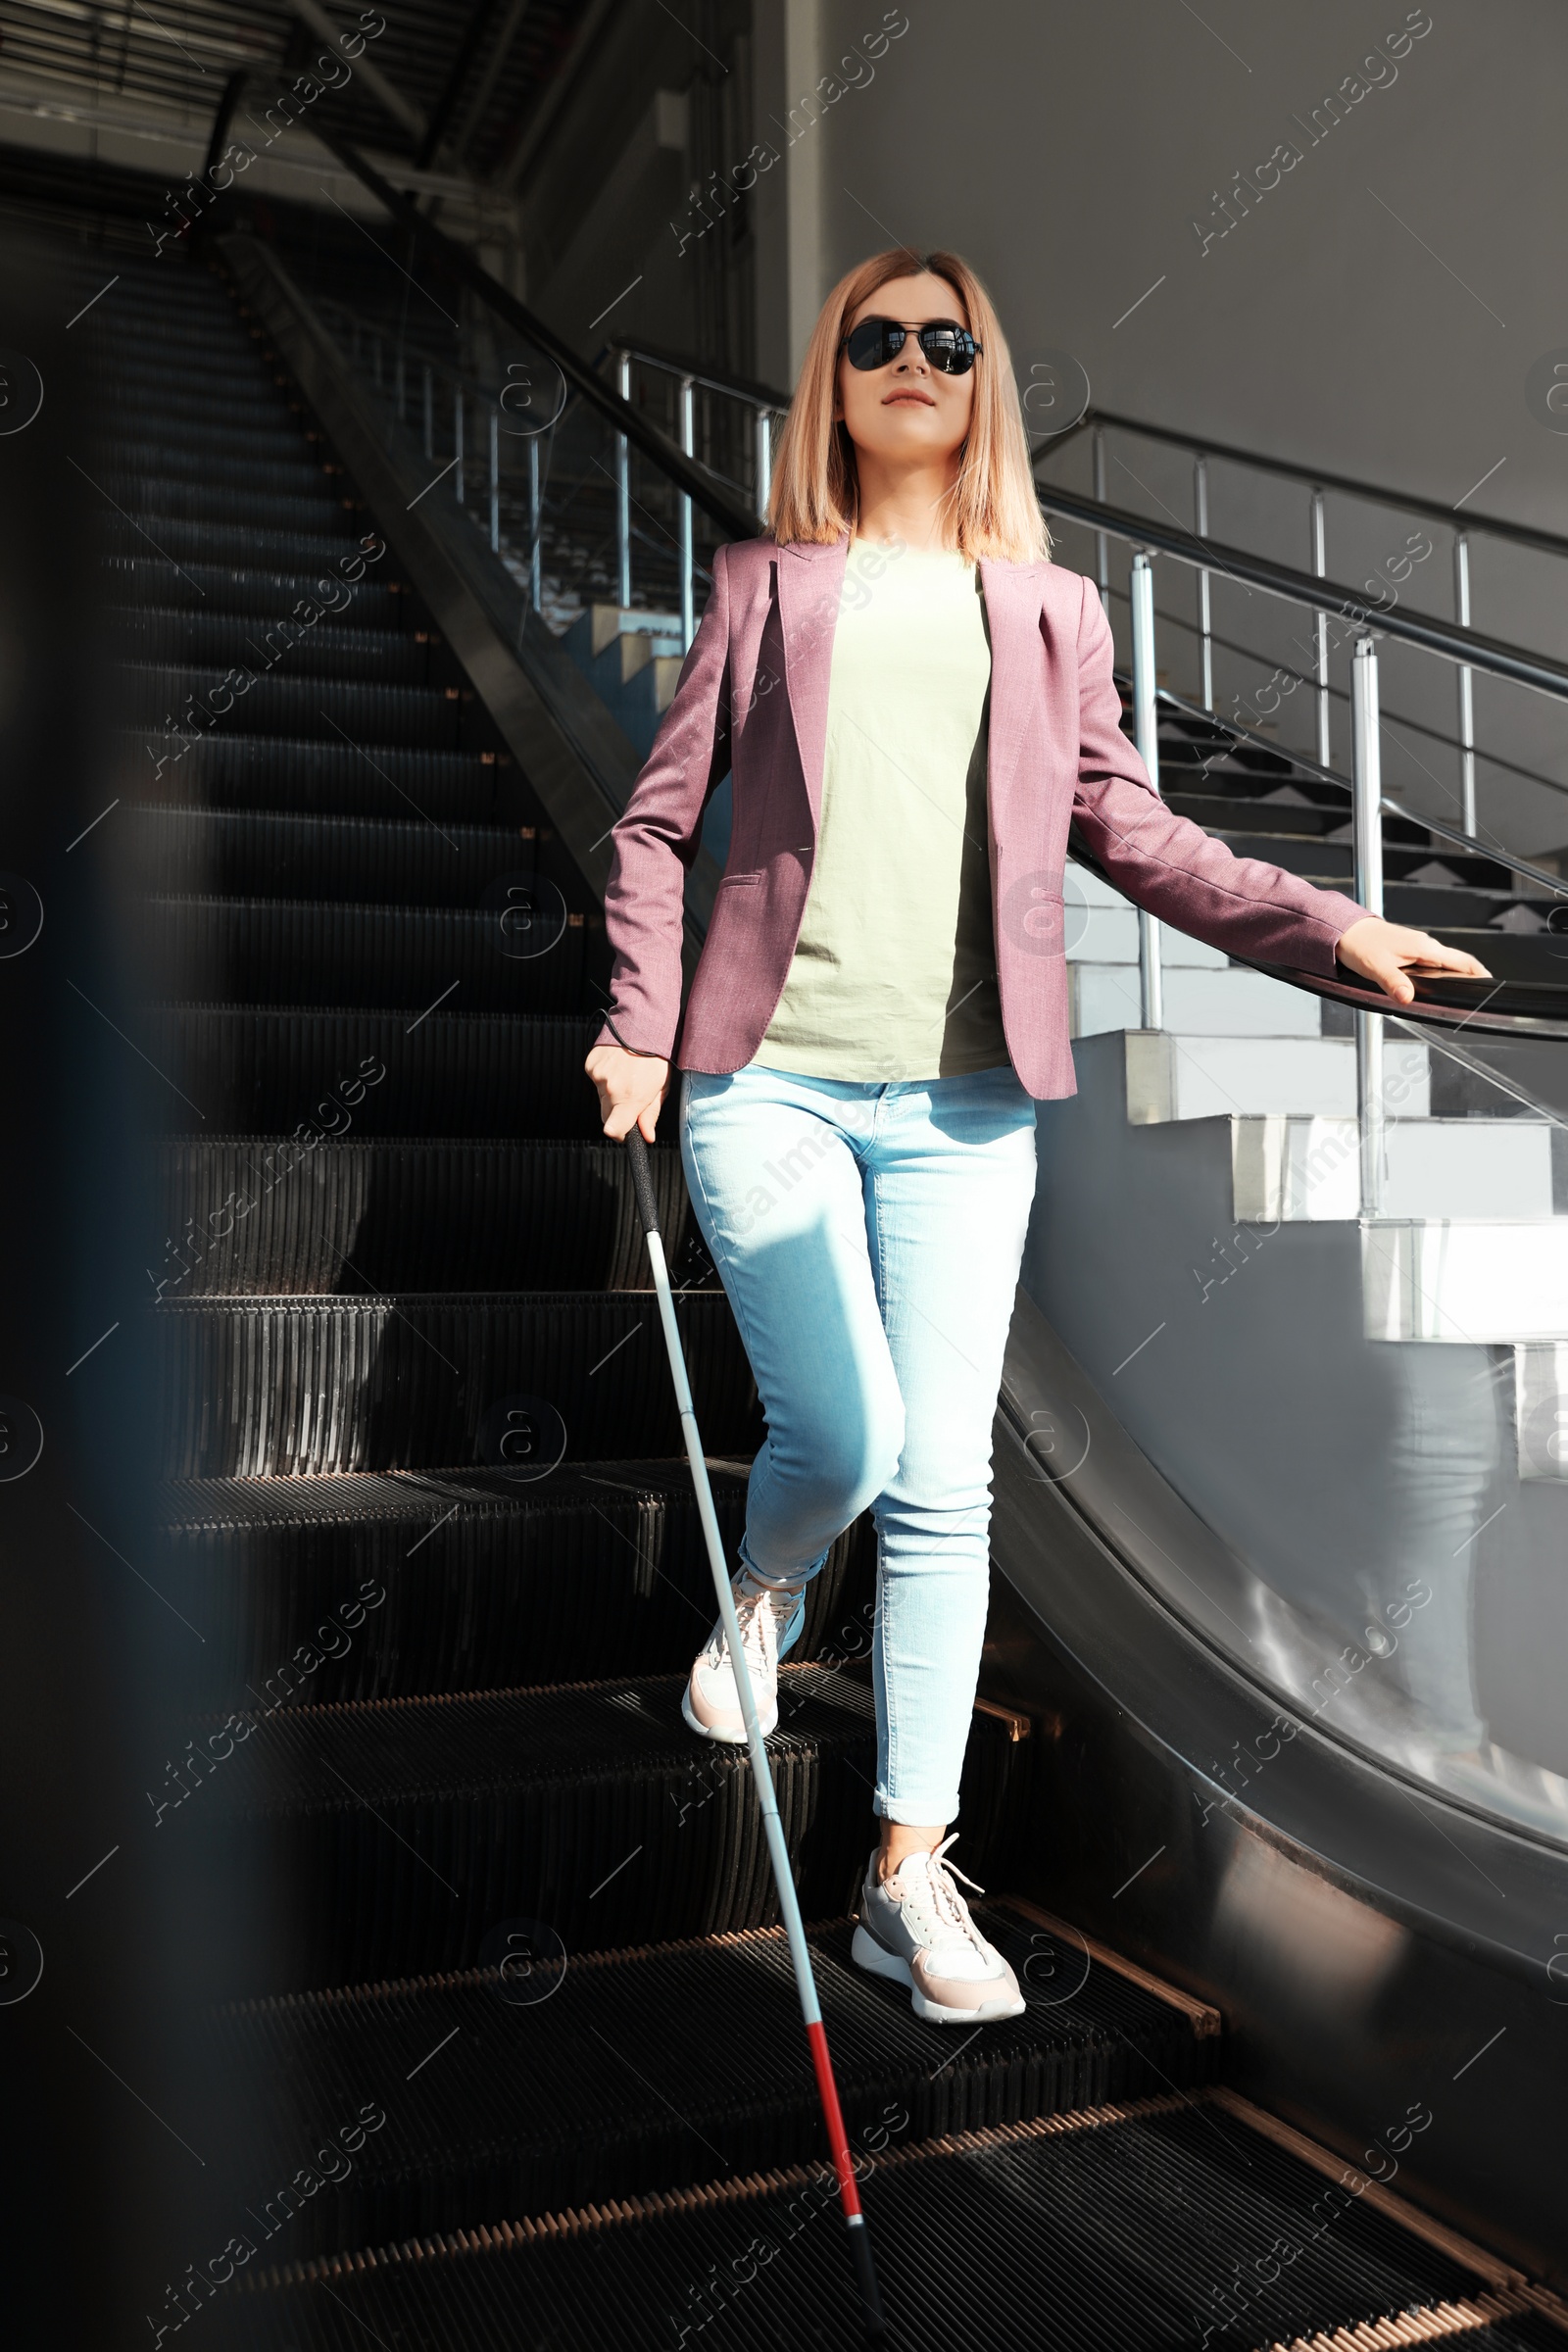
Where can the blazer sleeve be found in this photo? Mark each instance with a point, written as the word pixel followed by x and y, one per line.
pixel 658 837
pixel 1168 864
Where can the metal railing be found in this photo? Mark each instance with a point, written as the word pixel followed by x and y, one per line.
pixel 1318 483
pixel 759 410
pixel 1460 646
pixel 693 480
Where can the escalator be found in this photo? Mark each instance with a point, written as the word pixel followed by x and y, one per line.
pixel 477 1918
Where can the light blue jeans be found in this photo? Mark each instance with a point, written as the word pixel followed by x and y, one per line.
pixel 869 1238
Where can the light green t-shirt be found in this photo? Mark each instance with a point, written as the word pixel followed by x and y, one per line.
pixel 894 974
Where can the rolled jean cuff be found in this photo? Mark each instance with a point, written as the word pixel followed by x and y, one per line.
pixel 795 1580
pixel 916 1813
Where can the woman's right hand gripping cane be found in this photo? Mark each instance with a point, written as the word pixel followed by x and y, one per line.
pixel 631 1090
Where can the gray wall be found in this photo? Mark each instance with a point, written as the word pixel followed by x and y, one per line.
pixel 1067 151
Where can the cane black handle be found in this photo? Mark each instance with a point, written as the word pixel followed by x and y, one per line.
pixel 642 1178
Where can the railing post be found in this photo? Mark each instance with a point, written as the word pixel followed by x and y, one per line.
pixel 1102 543
pixel 1206 637
pixel 535 567
pixel 1467 704
pixel 457 442
pixel 623 485
pixel 1145 734
pixel 1367 828
pixel 430 414
pixel 688 442
pixel 495 480
pixel 764 460
pixel 1320 629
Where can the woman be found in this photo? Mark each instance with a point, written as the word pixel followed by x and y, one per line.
pixel 914 702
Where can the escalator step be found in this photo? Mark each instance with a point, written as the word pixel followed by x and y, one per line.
pixel 261 853
pixel 277 702
pixel 285 951
pixel 227 543
pixel 151 287
pixel 154 499
pixel 138 455
pixel 208 642
pixel 280 1388
pixel 226 770
pixel 487 1581
pixel 252 416
pixel 406 1830
pixel 259 417
pixel 573 2078
pixel 225 373
pixel 148 581
pixel 260 1070
pixel 246 1217
pixel 1142 2228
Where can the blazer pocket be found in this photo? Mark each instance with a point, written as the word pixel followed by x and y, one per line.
pixel 732 881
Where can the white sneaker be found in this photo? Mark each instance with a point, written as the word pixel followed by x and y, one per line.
pixel 915 1928
pixel 770 1620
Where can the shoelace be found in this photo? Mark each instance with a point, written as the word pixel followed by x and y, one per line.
pixel 949 1905
pixel 760 1628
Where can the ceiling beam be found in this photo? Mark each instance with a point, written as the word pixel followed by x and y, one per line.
pixel 312 13
pixel 49 116
pixel 468 47
pixel 540 122
pixel 500 51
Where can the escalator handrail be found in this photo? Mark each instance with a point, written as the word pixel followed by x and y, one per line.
pixel 1311 477
pixel 688 476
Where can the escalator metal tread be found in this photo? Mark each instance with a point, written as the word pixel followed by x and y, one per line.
pixel 417 1381
pixel 251 1068
pixel 612 2090
pixel 404 1829
pixel 1128 2229
pixel 371 1213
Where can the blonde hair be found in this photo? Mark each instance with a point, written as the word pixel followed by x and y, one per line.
pixel 815 487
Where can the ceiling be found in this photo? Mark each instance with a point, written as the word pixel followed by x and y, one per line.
pixel 449 86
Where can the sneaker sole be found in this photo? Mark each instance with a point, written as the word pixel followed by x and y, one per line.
pixel 868 1953
pixel 707 1731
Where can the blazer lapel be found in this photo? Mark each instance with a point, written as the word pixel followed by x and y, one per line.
pixel 1013 615
pixel 810 582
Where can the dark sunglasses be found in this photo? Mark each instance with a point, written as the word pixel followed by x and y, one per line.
pixel 876 342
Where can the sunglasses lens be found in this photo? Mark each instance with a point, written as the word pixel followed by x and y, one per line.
pixel 950 349
pixel 873 343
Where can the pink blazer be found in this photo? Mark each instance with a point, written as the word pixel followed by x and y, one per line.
pixel 753 702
